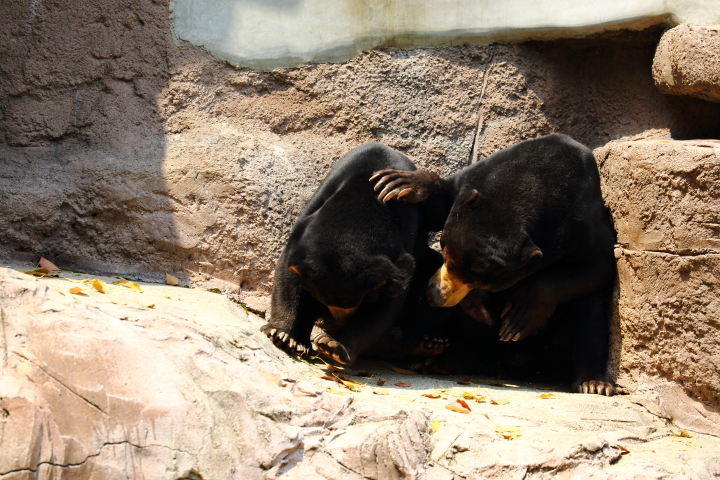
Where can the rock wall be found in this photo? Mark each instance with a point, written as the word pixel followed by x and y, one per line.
pixel 125 151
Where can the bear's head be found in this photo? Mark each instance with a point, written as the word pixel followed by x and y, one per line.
pixel 484 246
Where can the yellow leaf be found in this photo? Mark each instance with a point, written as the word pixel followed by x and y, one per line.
pixel 503 401
pixel 402 370
pixel 435 425
pixel 76 290
pixel 468 396
pixel 381 391
pixel 41 272
pixel 546 395
pixel 336 392
pixel 510 433
pixel 479 399
pixel 45 263
pixel 98 285
pixel 128 284
pixel 171 279
pixel 145 304
pixel 456 407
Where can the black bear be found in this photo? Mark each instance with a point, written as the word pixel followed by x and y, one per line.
pixel 527 231
pixel 350 262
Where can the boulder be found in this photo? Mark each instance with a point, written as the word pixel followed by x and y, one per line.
pixel 687 62
pixel 665 203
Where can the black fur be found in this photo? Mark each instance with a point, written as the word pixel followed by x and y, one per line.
pixel 351 251
pixel 529 223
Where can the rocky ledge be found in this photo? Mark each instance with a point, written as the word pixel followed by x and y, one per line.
pixel 173 383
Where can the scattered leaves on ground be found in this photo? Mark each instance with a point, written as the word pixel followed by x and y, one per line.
pixel 128 284
pixel 98 285
pixel 510 433
pixel 463 403
pixel 456 407
pixel 381 391
pixel 333 368
pixel 380 383
pixel 171 279
pixel 682 433
pixel 402 384
pixel 623 450
pixel 41 272
pixel 502 401
pixel 466 381
pixel 435 425
pixel 337 392
pixel 402 370
pixel 45 263
pixel 430 395
pixel 546 395
pixel 76 291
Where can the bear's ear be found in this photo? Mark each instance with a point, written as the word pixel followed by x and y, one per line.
pixel 466 203
pixel 399 275
pixel 295 271
pixel 531 256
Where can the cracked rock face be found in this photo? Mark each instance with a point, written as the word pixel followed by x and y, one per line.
pixel 100 386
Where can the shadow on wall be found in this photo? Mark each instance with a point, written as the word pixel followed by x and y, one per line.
pixel 82 141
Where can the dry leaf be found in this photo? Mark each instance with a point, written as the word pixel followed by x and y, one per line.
pixel 128 284
pixel 337 392
pixel 402 384
pixel 468 396
pixel 381 391
pixel 76 290
pixel 463 403
pixel 98 285
pixel 457 408
pixel 325 377
pixel 41 272
pixel 510 433
pixel 546 395
pixel 171 280
pixel 407 399
pixel 623 450
pixel 503 401
pixel 466 381
pixel 402 370
pixel 682 433
pixel 479 399
pixel 430 395
pixel 45 263
pixel 380 383
pixel 144 304
pixel 435 425
pixel 333 368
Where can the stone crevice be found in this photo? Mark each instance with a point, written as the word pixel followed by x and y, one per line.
pixel 96 407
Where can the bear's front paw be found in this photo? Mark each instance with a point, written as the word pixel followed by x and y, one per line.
pixel 411 187
pixel 522 318
pixel 428 346
pixel 599 387
pixel 283 340
pixel 328 347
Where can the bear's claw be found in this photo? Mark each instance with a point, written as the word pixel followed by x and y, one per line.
pixel 284 341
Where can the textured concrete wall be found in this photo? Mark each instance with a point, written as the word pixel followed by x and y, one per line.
pixel 285 33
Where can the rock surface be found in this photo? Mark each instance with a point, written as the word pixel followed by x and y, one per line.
pixel 103 386
pixel 687 62
pixel 665 203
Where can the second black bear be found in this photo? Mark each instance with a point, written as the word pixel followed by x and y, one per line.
pixel 350 262
pixel 527 222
